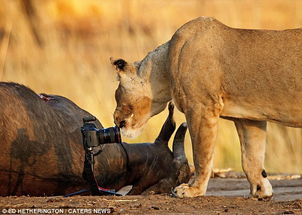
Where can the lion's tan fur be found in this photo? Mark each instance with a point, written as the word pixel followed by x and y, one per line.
pixel 211 70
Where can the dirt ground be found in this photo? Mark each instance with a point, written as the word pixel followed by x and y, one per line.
pixel 224 196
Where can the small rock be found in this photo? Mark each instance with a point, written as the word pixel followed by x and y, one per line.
pixel 155 207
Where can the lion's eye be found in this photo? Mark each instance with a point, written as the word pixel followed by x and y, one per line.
pixel 130 107
pixel 127 110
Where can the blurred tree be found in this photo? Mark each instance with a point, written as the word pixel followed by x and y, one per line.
pixel 32 18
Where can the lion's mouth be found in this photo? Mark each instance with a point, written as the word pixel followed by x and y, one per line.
pixel 133 130
pixel 131 133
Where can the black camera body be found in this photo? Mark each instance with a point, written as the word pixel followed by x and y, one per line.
pixel 94 137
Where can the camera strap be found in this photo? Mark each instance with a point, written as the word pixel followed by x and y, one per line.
pixel 89 170
pixel 90 176
pixel 95 189
pixel 127 157
pixel 93 147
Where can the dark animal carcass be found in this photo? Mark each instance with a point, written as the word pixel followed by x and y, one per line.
pixel 40 143
pixel 42 152
pixel 149 167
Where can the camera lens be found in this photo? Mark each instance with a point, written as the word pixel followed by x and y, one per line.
pixel 109 135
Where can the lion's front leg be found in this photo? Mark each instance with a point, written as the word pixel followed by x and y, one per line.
pixel 202 124
pixel 252 135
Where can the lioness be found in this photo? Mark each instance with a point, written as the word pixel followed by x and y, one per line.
pixel 211 70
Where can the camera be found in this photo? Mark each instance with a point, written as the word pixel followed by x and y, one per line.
pixel 93 143
pixel 94 137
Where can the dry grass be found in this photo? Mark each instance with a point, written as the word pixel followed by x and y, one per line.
pixel 63 47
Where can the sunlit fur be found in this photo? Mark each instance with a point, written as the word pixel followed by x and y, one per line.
pixel 212 70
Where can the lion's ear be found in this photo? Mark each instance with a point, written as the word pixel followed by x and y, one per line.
pixel 137 64
pixel 119 64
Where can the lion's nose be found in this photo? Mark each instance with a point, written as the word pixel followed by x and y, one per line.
pixel 118 121
pixel 122 124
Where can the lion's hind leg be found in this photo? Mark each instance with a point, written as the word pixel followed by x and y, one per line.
pixel 252 135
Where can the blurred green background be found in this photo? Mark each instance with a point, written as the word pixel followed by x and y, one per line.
pixel 63 47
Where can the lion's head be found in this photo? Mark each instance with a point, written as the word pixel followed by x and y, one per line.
pixel 133 98
pixel 137 99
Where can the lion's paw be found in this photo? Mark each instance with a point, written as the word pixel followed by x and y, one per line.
pixel 184 190
pixel 263 191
